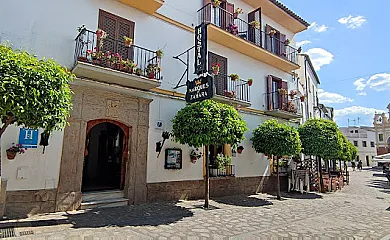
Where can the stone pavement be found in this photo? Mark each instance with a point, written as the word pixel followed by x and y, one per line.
pixel 359 211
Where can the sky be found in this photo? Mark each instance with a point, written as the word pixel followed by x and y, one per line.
pixel 349 44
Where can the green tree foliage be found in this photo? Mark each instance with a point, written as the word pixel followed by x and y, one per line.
pixel 274 138
pixel 321 138
pixel 207 123
pixel 34 93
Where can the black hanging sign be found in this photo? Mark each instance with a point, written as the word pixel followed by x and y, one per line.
pixel 200 89
pixel 201 49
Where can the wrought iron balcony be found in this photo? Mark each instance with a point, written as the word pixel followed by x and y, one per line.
pixel 228 89
pixel 228 171
pixel 112 61
pixel 284 105
pixel 249 33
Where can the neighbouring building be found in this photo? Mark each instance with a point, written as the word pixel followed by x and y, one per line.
pixel 308 83
pixel 363 138
pixel 120 110
pixel 382 129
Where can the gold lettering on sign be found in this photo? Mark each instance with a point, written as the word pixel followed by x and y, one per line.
pixel 112 108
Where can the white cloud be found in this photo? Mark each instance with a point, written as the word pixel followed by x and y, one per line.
pixel 319 57
pixel 304 42
pixel 379 82
pixel 318 28
pixel 363 94
pixel 356 110
pixel 328 97
pixel 352 22
pixel 360 85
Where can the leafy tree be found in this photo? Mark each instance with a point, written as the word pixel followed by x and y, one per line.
pixel 323 139
pixel 207 123
pixel 274 138
pixel 34 93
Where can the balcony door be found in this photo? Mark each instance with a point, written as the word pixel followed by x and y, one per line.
pixel 274 98
pixel 220 81
pixel 116 28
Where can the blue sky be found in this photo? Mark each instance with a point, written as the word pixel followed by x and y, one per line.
pixel 349 42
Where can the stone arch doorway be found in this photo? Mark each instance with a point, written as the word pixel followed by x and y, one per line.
pixel 106 147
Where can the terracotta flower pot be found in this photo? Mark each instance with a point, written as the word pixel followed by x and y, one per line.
pixel 82 59
pixel 235 15
pixel 215 72
pixel 250 82
pixel 11 155
pixel 239 151
pixel 151 75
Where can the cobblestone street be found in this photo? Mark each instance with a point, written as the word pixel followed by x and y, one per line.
pixel 359 211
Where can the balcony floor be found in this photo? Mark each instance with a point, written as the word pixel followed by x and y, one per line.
pixel 112 76
pixel 284 114
pixel 233 101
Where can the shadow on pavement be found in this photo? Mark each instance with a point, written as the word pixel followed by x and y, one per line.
pixel 140 215
pixel 243 201
pixel 297 195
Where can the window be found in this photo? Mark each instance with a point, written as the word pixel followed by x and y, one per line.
pixel 351 131
pixel 275 100
pixel 372 144
pixel 275 44
pixel 355 143
pixel 368 161
pixel 364 144
pixel 220 81
pixel 381 137
pixel 356 131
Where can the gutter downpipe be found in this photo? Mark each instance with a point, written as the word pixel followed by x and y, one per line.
pixel 307 91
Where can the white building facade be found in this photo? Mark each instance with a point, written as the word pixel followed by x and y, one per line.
pixel 363 138
pixel 382 129
pixel 119 115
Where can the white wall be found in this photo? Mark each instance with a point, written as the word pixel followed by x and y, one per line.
pixel 42 169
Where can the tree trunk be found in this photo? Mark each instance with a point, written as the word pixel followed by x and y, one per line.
pixel 278 179
pixel 207 180
pixel 321 180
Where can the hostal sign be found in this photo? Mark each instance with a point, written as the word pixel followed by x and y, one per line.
pixel 200 89
pixel 201 49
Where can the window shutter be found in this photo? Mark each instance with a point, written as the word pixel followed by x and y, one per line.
pixel 220 80
pixel 254 35
pixel 282 45
pixel 229 14
pixel 269 91
pixel 116 27
pixel 268 41
pixel 284 99
pixel 206 11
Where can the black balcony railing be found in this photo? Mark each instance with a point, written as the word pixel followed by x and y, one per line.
pixel 114 54
pixel 249 32
pixel 227 86
pixel 282 100
pixel 227 171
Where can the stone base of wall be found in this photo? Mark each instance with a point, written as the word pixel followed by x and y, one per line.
pixel 219 187
pixel 3 195
pixel 29 202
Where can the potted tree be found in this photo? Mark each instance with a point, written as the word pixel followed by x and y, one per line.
pixel 12 151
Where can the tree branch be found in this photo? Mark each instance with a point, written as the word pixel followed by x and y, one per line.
pixel 8 122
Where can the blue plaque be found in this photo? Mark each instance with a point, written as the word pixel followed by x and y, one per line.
pixel 28 138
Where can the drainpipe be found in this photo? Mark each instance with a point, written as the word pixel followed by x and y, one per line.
pixel 307 91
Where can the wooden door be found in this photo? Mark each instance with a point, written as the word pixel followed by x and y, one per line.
pixel 116 28
pixel 220 81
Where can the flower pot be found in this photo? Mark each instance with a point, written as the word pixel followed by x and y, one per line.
pixel 250 82
pixel 82 59
pixel 96 61
pixel 215 5
pixel 128 43
pixel 239 151
pixel 215 72
pixel 151 75
pixel 235 15
pixel 121 67
pixel 11 155
pixel 234 78
pixel 302 99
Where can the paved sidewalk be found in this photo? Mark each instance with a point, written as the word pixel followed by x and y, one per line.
pixel 359 211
